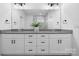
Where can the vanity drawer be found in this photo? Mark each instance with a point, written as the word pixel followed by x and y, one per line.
pixel 42 50
pixel 13 36
pixel 59 35
pixel 30 42
pixel 42 42
pixel 42 36
pixel 30 36
pixel 30 50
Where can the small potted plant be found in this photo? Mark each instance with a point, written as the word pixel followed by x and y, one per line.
pixel 36 26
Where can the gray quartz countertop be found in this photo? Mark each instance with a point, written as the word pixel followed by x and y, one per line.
pixel 31 31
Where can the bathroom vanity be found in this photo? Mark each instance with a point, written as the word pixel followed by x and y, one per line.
pixel 44 42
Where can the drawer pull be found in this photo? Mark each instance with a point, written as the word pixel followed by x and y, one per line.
pixel 42 49
pixel 42 42
pixel 42 35
pixel 11 41
pixel 30 50
pixel 60 41
pixel 30 35
pixel 29 42
pixel 14 41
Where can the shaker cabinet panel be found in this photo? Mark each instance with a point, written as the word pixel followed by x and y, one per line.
pixel 7 46
pixel 65 45
pixel 13 46
pixel 60 45
pixel 19 46
pixel 54 44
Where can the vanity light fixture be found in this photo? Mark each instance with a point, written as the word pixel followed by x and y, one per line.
pixel 53 4
pixel 20 4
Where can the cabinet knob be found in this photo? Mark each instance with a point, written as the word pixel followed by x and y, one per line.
pixel 42 49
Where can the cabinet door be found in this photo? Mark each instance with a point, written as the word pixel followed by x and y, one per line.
pixel 60 45
pixel 19 46
pixel 7 46
pixel 65 45
pixel 54 46
pixel 5 16
pixel 13 46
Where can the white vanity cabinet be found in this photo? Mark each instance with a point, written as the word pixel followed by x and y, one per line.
pixel 60 43
pixel 12 44
pixel 36 44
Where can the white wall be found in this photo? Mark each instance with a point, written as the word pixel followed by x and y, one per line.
pixel 5 14
pixel 70 12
